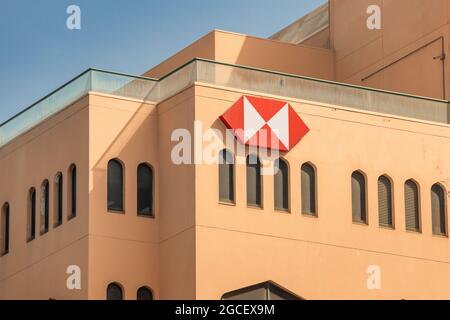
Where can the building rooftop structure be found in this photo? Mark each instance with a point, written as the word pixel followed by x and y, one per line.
pixel 306 27
pixel 363 184
pixel 358 98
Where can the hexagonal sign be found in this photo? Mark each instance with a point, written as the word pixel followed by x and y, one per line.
pixel 265 123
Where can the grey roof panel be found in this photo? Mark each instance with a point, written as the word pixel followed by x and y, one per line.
pixel 305 27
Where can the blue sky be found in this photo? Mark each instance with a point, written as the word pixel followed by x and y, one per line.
pixel 38 53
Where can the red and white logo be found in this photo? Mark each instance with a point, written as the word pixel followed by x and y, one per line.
pixel 265 123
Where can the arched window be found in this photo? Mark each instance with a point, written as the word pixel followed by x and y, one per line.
pixel 226 176
pixel 308 185
pixel 412 206
pixel 438 210
pixel 253 181
pixel 58 200
pixel 359 199
pixel 4 230
pixel 114 292
pixel 115 186
pixel 45 201
pixel 31 216
pixel 145 190
pixel 281 185
pixel 385 203
pixel 144 293
pixel 72 192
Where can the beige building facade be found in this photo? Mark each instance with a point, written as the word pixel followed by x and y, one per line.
pixel 94 206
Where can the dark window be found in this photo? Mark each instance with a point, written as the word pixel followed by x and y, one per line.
pixel 114 292
pixel 72 194
pixel 253 181
pixel 385 207
pixel 359 202
pixel 115 186
pixel 4 234
pixel 308 184
pixel 226 176
pixel 58 199
pixel 144 293
pixel 145 190
pixel 281 185
pixel 263 291
pixel 438 208
pixel 412 210
pixel 45 207
pixel 31 217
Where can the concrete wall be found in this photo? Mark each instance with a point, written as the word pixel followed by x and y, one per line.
pixel 199 248
pixel 255 52
pixel 158 253
pixel 319 40
pixel 109 247
pixel 122 247
pixel 37 270
pixel 398 57
pixel 326 257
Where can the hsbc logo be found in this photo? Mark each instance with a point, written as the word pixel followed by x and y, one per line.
pixel 265 123
pixel 266 126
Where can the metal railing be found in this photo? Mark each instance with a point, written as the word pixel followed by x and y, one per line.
pixel 227 75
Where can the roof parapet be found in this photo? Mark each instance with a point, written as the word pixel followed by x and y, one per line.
pixel 227 75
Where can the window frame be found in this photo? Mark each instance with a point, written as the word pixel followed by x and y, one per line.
pixel 72 193
pixel 58 200
pixel 5 226
pixel 145 288
pixel 259 206
pixel 113 210
pixel 233 201
pixel 120 286
pixel 288 184
pixel 391 181
pixel 46 206
pixel 316 190
pixel 152 214
pixel 31 214
pixel 366 199
pixel 419 206
pixel 445 209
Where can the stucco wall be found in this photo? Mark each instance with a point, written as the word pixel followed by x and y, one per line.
pixel 37 270
pixel 255 52
pixel 310 256
pixel 398 57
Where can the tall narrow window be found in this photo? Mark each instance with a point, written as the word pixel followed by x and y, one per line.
pixel 385 207
pixel 226 176
pixel 114 292
pixel 253 181
pixel 115 186
pixel 359 199
pixel 45 207
pixel 4 235
pixel 144 293
pixel 72 192
pixel 438 210
pixel 281 185
pixel 308 184
pixel 145 190
pixel 58 199
pixel 31 216
pixel 412 209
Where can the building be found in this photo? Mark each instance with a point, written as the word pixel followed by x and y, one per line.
pixel 358 209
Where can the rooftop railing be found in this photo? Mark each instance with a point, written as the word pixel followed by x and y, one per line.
pixel 232 76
